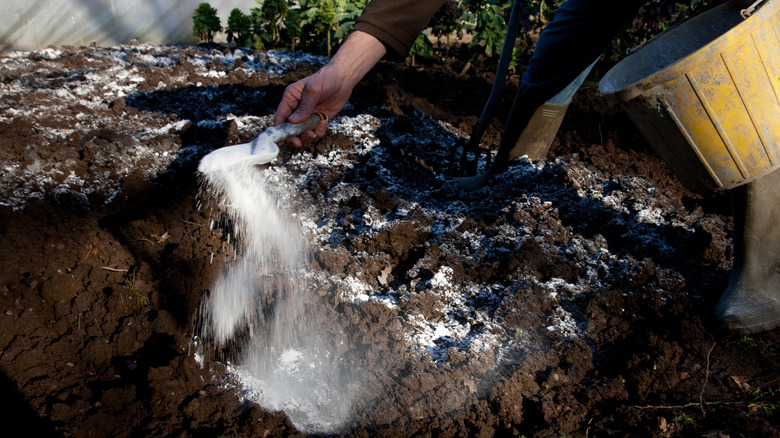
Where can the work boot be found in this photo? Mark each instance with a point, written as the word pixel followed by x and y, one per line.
pixel 751 302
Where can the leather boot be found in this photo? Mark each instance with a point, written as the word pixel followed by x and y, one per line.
pixel 530 130
pixel 751 302
pixel 538 135
pixel 534 141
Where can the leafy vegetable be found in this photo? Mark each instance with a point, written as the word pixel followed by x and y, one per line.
pixel 239 27
pixel 205 23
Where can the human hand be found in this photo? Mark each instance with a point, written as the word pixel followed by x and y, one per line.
pixel 324 91
pixel 329 89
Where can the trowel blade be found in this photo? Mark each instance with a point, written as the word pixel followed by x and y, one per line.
pixel 245 154
pixel 261 150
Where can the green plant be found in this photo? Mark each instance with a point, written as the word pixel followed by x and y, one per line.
pixel 266 22
pixel 684 420
pixel 78 336
pixel 142 299
pixel 327 16
pixel 516 61
pixel 547 10
pixel 653 18
pixel 132 287
pixel 292 27
pixel 205 23
pixel 347 12
pixel 239 27
pixel 260 37
pixel 681 422
pixel 422 47
pixel 767 349
pixel 321 25
pixel 326 20
pixel 765 401
pixel 490 18
pixel 446 22
pixel 274 12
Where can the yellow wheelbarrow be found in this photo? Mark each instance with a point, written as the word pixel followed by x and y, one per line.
pixel 706 94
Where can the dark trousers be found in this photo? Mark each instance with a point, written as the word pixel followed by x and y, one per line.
pixel 578 34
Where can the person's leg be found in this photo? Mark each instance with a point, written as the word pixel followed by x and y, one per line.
pixel 567 48
pixel 751 302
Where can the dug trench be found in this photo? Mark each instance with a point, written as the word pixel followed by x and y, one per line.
pixel 573 297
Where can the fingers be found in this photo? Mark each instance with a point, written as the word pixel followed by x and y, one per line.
pixel 301 99
pixel 306 137
pixel 319 131
pixel 310 98
pixel 290 101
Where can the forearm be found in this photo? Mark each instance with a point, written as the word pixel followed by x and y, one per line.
pixel 355 58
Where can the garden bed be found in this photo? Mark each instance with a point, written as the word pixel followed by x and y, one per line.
pixel 572 297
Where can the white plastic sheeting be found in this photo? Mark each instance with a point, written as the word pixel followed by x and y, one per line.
pixel 35 24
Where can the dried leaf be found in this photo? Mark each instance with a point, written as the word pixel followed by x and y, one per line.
pixel 740 381
pixel 162 238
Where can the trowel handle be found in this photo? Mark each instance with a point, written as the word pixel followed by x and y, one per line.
pixel 296 129
pixel 288 130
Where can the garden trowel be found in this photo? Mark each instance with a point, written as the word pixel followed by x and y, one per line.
pixel 263 149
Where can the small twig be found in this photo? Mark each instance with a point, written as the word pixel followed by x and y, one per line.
pixel 706 379
pixel 691 405
pixel 687 405
pixel 107 268
pixel 768 383
pixel 89 251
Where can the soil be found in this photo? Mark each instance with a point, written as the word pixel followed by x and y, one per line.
pixel 572 297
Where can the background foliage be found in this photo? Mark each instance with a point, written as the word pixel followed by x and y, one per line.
pixel 479 26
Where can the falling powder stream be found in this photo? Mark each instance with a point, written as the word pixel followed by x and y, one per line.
pixel 286 360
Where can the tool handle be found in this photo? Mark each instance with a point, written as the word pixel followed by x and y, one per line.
pixel 288 130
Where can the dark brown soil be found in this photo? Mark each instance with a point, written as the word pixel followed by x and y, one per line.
pixel 602 316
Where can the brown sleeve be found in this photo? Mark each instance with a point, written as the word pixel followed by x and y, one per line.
pixel 397 23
